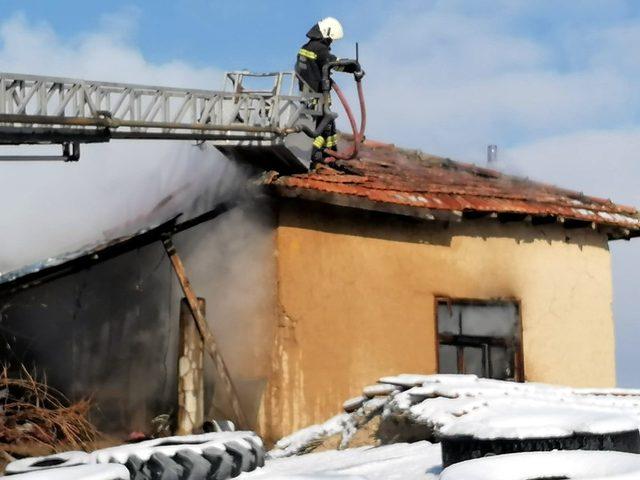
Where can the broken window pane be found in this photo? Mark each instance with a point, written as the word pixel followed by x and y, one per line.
pixel 489 320
pixel 500 367
pixel 475 327
pixel 448 319
pixel 473 361
pixel 448 359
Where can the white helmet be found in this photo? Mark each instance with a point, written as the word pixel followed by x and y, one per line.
pixel 331 28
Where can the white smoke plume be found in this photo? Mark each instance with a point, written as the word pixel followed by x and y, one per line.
pixel 116 188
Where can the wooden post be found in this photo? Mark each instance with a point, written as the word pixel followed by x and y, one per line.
pixel 190 371
pixel 206 334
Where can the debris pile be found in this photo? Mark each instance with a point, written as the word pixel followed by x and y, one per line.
pixel 410 408
pixel 33 413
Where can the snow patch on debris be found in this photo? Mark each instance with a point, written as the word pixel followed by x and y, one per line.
pixel 171 445
pixel 141 450
pixel 437 405
pixel 557 464
pixel 299 441
pixel 537 420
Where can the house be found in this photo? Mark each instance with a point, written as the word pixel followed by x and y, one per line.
pixel 397 261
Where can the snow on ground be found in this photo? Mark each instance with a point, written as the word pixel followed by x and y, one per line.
pixel 578 465
pixel 400 461
pixel 441 404
pixel 407 408
pixel 81 472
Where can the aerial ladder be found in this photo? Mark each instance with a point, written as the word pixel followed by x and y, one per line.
pixel 268 126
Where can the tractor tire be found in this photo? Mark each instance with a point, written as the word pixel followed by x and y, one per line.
pixel 212 464
pixel 212 456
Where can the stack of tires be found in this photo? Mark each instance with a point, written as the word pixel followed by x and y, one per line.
pixel 538 441
pixel 210 456
pixel 536 428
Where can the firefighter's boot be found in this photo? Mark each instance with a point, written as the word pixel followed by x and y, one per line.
pixel 316 158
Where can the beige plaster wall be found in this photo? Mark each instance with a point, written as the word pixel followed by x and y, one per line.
pixel 356 301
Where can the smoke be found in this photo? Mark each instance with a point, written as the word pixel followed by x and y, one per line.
pixel 231 261
pixel 116 188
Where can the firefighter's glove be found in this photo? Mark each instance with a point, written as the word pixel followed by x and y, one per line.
pixel 350 66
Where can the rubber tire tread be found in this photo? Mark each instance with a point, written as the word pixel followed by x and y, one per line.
pixel 221 462
pixel 161 467
pixel 195 466
pixel 244 460
pixel 258 451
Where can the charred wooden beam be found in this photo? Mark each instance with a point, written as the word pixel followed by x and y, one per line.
pixel 474 214
pixel 573 223
pixel 507 217
pixel 543 219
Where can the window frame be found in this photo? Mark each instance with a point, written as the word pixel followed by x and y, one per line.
pixel 475 341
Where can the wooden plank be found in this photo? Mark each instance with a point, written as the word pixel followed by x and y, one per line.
pixel 207 336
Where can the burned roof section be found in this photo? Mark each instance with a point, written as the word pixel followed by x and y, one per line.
pixel 389 179
pixel 69 262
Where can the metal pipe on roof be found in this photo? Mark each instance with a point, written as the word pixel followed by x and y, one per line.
pixel 492 154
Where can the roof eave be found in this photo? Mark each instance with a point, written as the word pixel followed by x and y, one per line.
pixel 613 232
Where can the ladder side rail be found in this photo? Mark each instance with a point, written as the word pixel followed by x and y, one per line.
pixel 147 108
pixel 110 85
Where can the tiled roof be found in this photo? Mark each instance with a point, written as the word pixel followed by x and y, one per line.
pixel 387 178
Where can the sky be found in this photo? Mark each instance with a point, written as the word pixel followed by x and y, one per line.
pixel 553 84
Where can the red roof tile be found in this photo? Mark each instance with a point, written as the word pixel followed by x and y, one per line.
pixel 385 176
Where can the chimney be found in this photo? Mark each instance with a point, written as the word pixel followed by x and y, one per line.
pixel 492 155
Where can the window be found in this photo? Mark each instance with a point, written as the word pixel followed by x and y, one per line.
pixel 479 337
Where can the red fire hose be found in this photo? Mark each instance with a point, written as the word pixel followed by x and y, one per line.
pixel 358 135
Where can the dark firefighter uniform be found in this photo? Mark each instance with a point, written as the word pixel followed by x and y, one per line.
pixel 311 58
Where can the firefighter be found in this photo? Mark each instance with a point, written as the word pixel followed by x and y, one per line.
pixel 312 57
